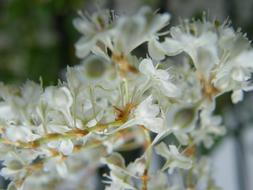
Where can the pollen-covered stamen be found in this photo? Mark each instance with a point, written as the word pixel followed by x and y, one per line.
pixel 123 113
pixel 124 64
pixel 190 150
pixel 208 89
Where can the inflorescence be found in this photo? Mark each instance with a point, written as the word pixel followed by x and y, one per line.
pixel 58 136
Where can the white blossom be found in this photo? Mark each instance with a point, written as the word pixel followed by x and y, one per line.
pixel 210 127
pixel 237 96
pixel 96 28
pixel 57 137
pixel 20 133
pixel 174 159
pixel 160 79
pixel 146 114
pixel 120 175
pixel 143 25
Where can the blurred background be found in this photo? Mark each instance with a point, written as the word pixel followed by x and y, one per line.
pixel 37 40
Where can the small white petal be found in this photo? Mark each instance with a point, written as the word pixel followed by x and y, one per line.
pixel 172 47
pixel 155 125
pixel 238 75
pixel 66 147
pixel 83 47
pixel 156 50
pixel 237 96
pixel 169 89
pixel 146 67
pixel 20 133
pixel 62 169
pixel 59 98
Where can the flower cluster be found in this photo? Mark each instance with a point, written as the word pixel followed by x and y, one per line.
pixel 58 136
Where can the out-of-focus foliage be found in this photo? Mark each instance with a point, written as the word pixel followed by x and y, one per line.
pixel 36 38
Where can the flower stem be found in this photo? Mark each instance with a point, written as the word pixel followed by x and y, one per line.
pixel 148 151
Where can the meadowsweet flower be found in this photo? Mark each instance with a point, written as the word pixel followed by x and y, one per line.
pixel 237 96
pixel 20 133
pixel 20 103
pixel 59 99
pixel 173 158
pixel 181 121
pixel 121 35
pixel 15 164
pixel 146 114
pixel 57 164
pixel 160 79
pixel 95 28
pixel 130 32
pixel 210 126
pixel 65 146
pixel 200 48
pixel 120 175
pixel 13 167
pixel 58 136
pixel 221 65
pixel 235 74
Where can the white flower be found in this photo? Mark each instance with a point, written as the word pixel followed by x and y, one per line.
pixel 59 99
pixel 65 146
pixel 173 158
pixel 147 115
pixel 6 112
pixel 62 169
pixel 220 55
pixel 155 49
pixel 58 164
pixel 180 120
pixel 160 79
pixel 31 93
pixel 20 133
pixel 132 31
pixel 54 138
pixel 15 164
pixel 190 43
pixel 210 127
pixel 202 49
pixel 237 96
pixel 235 72
pixel 20 103
pixel 120 175
pixel 13 167
pixel 95 29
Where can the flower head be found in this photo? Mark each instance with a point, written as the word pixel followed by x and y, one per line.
pixel 159 79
